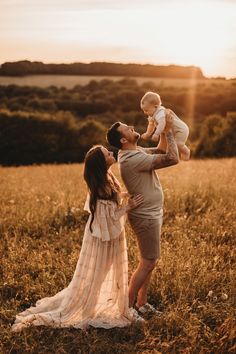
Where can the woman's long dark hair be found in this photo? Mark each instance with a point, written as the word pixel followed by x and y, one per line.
pixel 102 184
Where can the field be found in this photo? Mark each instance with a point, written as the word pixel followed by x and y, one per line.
pixel 42 223
pixel 69 81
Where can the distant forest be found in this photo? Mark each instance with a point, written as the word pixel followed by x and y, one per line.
pixel 57 124
pixel 25 67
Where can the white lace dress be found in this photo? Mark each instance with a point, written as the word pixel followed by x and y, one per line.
pixel 98 292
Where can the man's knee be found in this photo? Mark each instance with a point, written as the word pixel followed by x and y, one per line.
pixel 149 264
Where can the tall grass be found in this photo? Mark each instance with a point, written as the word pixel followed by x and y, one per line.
pixel 42 224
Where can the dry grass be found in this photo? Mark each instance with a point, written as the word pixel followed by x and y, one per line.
pixel 42 223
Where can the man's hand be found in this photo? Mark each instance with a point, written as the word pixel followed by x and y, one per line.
pixel 169 120
pixel 155 137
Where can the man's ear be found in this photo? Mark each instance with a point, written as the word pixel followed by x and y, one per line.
pixel 123 140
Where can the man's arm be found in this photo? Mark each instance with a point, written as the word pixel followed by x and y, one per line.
pixel 171 157
pixel 160 148
pixel 153 150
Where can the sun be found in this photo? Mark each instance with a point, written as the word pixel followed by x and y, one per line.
pixel 194 33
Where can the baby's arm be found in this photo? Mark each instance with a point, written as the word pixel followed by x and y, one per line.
pixel 160 128
pixel 150 129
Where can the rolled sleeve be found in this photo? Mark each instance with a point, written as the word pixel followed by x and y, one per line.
pixel 144 162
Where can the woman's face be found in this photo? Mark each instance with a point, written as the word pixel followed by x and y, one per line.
pixel 108 156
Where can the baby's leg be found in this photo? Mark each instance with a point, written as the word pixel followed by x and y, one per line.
pixel 184 152
pixel 180 138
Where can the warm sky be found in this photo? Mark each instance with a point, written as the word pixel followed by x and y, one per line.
pixel 185 32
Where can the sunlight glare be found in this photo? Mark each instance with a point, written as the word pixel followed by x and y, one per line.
pixel 199 36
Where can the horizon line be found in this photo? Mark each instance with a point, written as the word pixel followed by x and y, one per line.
pixel 113 62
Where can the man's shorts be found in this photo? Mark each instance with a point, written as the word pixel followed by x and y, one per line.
pixel 148 233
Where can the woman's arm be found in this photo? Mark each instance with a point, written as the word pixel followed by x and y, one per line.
pixel 133 203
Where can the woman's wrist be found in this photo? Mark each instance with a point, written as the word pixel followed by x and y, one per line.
pixel 127 208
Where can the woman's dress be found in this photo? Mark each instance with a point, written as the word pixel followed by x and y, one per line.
pixel 98 292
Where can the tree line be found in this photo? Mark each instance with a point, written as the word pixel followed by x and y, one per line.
pixel 26 67
pixel 56 124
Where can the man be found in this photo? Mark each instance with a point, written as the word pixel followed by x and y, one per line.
pixel 137 168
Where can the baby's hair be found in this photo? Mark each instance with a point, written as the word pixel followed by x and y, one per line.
pixel 151 98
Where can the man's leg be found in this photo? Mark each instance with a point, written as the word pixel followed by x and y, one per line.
pixel 142 294
pixel 141 277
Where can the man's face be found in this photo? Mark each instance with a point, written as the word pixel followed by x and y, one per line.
pixel 128 132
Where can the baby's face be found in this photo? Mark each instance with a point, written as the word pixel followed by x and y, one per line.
pixel 149 109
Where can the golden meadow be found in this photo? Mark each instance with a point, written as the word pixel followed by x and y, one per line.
pixel 42 225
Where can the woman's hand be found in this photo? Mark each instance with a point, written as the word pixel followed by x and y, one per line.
pixel 133 202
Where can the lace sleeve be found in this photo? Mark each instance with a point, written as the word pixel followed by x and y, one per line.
pixel 109 221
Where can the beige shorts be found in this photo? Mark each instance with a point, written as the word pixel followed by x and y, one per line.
pixel 148 233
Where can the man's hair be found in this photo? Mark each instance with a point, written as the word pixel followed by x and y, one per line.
pixel 114 136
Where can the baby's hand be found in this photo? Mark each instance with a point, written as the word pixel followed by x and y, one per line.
pixel 144 136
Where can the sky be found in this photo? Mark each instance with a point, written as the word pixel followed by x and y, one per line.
pixel 161 32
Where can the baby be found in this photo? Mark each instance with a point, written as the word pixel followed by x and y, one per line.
pixel 151 106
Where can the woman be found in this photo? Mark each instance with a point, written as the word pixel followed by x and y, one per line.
pixel 98 292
